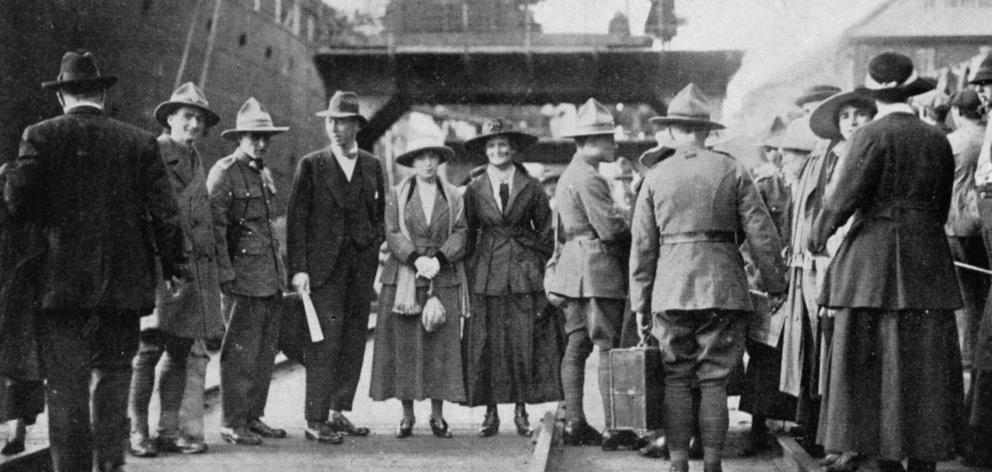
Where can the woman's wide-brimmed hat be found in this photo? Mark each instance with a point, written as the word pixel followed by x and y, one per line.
pixel 798 136
pixel 592 119
pixel 689 107
pixel 816 93
pixel 823 120
pixel 984 72
pixel 422 144
pixel 343 105
pixel 187 95
pixel 499 127
pixel 79 70
pixel 892 77
pixel 252 118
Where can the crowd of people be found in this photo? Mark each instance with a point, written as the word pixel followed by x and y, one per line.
pixel 831 265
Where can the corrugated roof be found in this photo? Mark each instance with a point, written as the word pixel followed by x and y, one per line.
pixel 928 18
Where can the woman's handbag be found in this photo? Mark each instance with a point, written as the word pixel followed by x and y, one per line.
pixel 434 314
pixel 551 268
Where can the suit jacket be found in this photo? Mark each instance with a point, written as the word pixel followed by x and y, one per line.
pixel 594 236
pixel 440 235
pixel 691 212
pixel 896 182
pixel 100 193
pixel 508 248
pixel 315 218
pixel 241 202
pixel 966 143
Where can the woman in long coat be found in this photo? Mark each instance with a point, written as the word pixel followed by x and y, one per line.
pixel 186 311
pixel 425 232
pixel 511 342
pixel 895 383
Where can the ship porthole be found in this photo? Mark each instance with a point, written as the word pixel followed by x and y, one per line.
pixel 242 39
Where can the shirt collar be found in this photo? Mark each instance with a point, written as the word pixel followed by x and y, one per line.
pixel 85 103
pixel 494 176
pixel 890 108
pixel 351 153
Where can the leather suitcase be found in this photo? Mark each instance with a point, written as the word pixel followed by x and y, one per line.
pixel 637 389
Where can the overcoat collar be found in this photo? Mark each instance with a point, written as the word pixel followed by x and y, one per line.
pixel 485 189
pixel 171 152
pixel 416 207
pixel 333 175
pixel 84 109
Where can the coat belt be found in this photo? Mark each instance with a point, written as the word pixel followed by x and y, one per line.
pixel 698 237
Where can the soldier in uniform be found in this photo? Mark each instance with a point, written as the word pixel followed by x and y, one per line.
pixel 191 310
pixel 687 271
pixel 594 236
pixel 252 276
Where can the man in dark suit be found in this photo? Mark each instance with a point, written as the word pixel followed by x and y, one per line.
pixel 334 228
pixel 99 192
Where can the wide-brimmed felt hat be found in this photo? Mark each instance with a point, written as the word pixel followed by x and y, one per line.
pixel 816 93
pixel 984 72
pixel 187 95
pixel 343 105
pixel 495 127
pixel 823 120
pixel 892 77
pixel 421 144
pixel 966 100
pixel 592 119
pixel 689 107
pixel 798 136
pixel 252 118
pixel 79 69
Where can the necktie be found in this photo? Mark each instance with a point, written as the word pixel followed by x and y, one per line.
pixel 504 195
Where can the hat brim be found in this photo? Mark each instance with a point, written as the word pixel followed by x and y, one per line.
pixel 981 77
pixel 328 114
pixel 823 120
pixel 591 131
pixel 694 122
pixel 902 92
pixel 101 83
pixel 406 159
pixel 519 139
pixel 234 134
pixel 165 109
pixel 813 97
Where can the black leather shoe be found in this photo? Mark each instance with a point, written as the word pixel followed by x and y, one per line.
pixel 143 446
pixel 695 448
pixel 657 449
pixel 490 425
pixel 322 433
pixel 13 446
pixel 191 446
pixel 440 427
pixel 522 424
pixel 341 425
pixel 240 436
pixel 258 427
pixel 579 433
pixel 406 427
pixel 613 440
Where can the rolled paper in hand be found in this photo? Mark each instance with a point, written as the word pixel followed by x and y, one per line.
pixel 316 335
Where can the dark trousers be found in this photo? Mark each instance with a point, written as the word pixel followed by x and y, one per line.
pixel 342 303
pixel 87 356
pixel 701 346
pixel 172 382
pixel 589 322
pixel 246 357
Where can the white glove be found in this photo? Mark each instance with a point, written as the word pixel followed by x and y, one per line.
pixel 301 282
pixel 423 265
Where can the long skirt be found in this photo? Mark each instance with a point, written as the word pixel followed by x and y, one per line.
pixel 895 388
pixel 512 350
pixel 760 395
pixel 409 363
